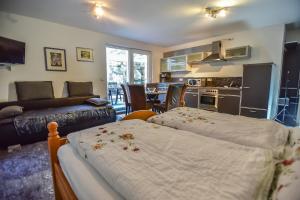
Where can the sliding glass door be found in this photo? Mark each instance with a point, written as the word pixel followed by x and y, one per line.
pixel 140 67
pixel 125 65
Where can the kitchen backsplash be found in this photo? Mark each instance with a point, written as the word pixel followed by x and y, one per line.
pixel 215 81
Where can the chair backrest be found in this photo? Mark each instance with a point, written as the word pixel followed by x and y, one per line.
pixel 137 96
pixel 126 93
pixel 175 95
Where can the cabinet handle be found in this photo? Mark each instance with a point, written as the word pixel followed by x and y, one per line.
pixel 221 97
pixel 253 111
pixel 194 95
pixel 246 87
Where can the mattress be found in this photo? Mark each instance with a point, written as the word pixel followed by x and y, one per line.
pixel 84 180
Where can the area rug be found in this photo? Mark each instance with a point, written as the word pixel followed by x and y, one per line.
pixel 26 174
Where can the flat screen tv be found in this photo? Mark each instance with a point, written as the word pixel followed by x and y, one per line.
pixel 12 51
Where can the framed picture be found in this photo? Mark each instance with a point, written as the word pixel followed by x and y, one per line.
pixel 84 54
pixel 55 59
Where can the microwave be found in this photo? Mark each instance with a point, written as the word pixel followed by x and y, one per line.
pixel 197 82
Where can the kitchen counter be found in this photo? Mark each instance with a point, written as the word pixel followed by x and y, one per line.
pixel 216 88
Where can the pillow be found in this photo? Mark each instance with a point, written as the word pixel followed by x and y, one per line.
pixel 97 101
pixel 29 90
pixel 77 89
pixel 10 111
pixel 288 181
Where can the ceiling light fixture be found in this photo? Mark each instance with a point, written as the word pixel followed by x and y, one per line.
pixel 98 10
pixel 214 12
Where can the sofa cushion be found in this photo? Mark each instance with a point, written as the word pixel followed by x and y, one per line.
pixel 29 90
pixel 77 89
pixel 97 101
pixel 10 111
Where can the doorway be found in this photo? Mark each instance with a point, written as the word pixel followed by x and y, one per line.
pixel 125 65
pixel 288 104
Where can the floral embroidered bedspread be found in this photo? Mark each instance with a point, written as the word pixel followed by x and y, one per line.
pixel 143 160
pixel 287 176
pixel 237 129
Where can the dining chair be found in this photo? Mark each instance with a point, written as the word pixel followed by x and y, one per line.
pixel 138 97
pixel 126 97
pixel 174 98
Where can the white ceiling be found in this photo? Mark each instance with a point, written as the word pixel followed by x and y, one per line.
pixel 161 22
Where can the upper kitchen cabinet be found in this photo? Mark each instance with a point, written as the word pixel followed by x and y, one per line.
pixel 174 64
pixel 178 63
pixel 164 65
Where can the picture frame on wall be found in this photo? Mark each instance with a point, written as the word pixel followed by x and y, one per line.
pixel 55 59
pixel 84 54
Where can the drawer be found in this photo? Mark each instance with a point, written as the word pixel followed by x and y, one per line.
pixel 255 113
pixel 192 89
pixel 229 92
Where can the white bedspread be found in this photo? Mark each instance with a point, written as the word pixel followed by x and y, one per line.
pixel 164 163
pixel 85 181
pixel 237 129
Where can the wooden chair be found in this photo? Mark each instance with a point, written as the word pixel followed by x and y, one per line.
pixel 127 97
pixel 138 97
pixel 175 98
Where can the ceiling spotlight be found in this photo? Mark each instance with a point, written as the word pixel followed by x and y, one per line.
pixel 98 10
pixel 214 12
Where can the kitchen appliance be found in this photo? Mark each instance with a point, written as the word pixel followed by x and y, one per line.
pixel 216 55
pixel 196 82
pixel 165 77
pixel 208 99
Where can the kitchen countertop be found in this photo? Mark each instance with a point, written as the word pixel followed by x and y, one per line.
pixel 216 88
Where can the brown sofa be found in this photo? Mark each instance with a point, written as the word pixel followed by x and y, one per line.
pixel 72 114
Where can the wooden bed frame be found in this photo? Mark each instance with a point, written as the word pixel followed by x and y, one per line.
pixel 62 188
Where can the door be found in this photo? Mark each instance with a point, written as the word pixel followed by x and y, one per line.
pixel 117 69
pixel 140 67
pixel 125 65
pixel 256 85
pixel 191 100
pixel 229 104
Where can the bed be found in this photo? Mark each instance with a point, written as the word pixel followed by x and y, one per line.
pixel 96 164
pixel 242 130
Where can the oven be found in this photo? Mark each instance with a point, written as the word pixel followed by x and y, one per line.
pixel 208 99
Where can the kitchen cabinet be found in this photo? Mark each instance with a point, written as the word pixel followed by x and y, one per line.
pixel 164 65
pixel 256 90
pixel 229 101
pixel 174 64
pixel 178 63
pixel 229 104
pixel 255 113
pixel 191 100
pixel 191 97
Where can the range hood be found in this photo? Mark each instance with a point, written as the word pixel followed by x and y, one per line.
pixel 216 55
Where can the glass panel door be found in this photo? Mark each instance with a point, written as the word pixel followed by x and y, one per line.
pixel 140 65
pixel 117 66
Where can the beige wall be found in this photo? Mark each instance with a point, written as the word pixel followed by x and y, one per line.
pixel 39 33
